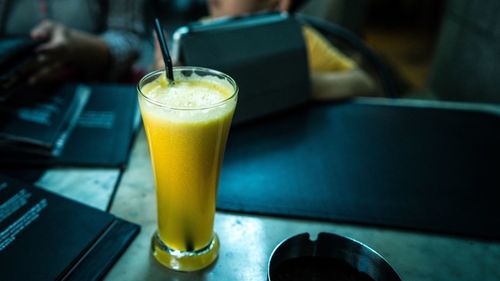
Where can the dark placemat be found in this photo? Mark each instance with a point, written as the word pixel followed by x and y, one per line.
pixel 424 166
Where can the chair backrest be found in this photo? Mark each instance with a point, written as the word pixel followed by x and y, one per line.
pixel 350 39
pixel 466 64
pixel 350 14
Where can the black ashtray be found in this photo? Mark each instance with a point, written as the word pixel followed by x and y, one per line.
pixel 330 257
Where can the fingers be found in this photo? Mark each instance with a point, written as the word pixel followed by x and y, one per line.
pixel 47 67
pixel 57 36
pixel 58 47
pixel 43 30
pixel 45 73
pixel 53 45
pixel 51 55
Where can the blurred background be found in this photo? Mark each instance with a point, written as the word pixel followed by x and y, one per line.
pixel 402 32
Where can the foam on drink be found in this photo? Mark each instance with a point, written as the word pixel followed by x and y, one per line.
pixel 182 100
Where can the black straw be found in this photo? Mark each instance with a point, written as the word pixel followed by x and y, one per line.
pixel 164 51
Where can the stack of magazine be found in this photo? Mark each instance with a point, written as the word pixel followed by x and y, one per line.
pixel 41 123
pixel 77 125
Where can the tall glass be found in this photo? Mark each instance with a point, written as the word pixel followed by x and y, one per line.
pixel 186 142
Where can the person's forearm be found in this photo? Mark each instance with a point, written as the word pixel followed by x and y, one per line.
pixel 341 85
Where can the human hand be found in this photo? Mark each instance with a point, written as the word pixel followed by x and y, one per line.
pixel 52 55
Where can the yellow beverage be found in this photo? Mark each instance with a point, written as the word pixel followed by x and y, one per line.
pixel 187 125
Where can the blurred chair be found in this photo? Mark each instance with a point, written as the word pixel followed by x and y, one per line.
pixel 466 63
pixel 347 13
pixel 354 46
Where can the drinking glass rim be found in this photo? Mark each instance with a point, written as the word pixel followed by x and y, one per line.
pixel 190 68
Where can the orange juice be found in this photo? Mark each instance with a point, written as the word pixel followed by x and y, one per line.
pixel 187 125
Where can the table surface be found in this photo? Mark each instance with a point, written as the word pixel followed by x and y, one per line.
pixel 247 241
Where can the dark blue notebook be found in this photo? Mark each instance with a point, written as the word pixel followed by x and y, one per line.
pixel 419 165
pixel 44 236
pixel 102 136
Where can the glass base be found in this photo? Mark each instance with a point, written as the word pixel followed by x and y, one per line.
pixel 184 260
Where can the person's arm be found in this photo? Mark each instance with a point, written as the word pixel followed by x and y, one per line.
pixel 124 29
pixel 342 84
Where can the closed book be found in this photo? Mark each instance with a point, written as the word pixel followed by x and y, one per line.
pixel 44 236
